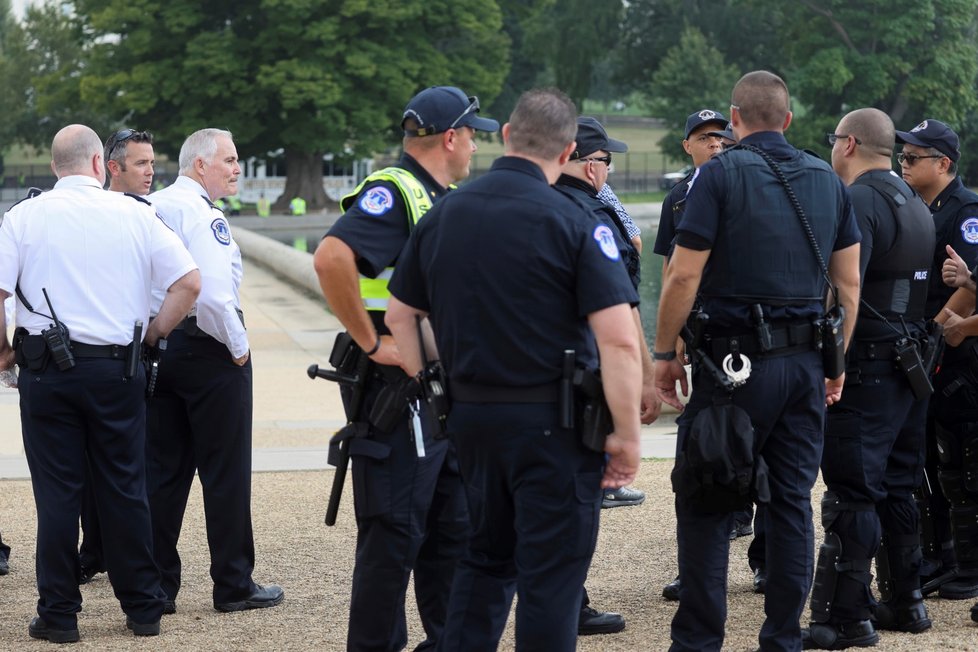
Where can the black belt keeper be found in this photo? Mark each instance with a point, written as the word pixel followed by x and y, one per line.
pixel 473 393
pixel 785 339
pixel 110 351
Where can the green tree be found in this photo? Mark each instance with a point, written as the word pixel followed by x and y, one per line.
pixel 308 76
pixel 41 63
pixel 571 37
pixel 691 76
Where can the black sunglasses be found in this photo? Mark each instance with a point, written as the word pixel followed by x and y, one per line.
pixel 473 107
pixel 913 158
pixel 602 159
pixel 123 135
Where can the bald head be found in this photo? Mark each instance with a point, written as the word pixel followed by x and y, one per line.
pixel 74 150
pixel 873 128
pixel 761 99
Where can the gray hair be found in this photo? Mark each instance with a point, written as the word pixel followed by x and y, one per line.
pixel 543 123
pixel 200 144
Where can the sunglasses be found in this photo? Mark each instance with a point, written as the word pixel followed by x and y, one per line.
pixel 911 159
pixel 123 135
pixel 473 107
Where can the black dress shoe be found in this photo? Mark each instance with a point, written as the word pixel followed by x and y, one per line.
pixel 974 612
pixel 39 629
pixel 760 580
pixel 904 615
pixel 671 590
pixel 260 598
pixel 4 565
pixel 593 621
pixel 143 629
pixel 741 530
pixel 88 573
pixel 169 606
pixel 825 636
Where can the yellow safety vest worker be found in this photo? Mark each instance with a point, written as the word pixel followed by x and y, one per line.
pixel 373 291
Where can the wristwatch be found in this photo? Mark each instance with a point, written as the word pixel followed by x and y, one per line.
pixel 665 356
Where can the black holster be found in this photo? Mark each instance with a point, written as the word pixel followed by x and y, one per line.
pixel 594 415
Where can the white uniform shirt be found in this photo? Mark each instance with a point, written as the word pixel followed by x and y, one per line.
pixel 185 208
pixel 97 253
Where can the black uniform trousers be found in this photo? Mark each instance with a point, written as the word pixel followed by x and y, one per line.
pixel 873 455
pixel 90 552
pixel 89 412
pixel 200 420
pixel 411 516
pixel 785 398
pixel 534 495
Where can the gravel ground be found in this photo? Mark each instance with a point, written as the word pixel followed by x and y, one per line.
pixel 635 558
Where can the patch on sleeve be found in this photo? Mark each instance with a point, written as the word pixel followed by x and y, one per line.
pixel 376 201
pixel 221 231
pixel 969 230
pixel 606 240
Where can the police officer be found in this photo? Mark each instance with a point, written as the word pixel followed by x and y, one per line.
pixel 873 456
pixel 580 178
pixel 200 413
pixel 409 509
pixel 129 165
pixel 513 273
pixel 85 258
pixel 929 163
pixel 4 557
pixel 734 197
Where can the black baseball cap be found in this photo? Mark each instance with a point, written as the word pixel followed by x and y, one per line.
pixel 700 118
pixel 727 133
pixel 441 108
pixel 592 137
pixel 933 133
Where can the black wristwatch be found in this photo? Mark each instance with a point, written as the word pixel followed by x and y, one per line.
pixel 664 356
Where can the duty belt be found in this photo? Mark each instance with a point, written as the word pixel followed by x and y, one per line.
pixel 785 339
pixel 873 351
pixel 475 393
pixel 111 351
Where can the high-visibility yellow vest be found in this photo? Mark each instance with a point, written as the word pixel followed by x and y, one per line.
pixel 373 291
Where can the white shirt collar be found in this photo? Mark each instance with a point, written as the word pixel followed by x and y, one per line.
pixel 73 180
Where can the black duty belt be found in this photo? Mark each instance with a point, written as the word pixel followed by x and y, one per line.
pixel 475 393
pixel 873 351
pixel 111 351
pixel 785 339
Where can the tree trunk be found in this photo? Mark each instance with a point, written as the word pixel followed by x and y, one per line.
pixel 304 178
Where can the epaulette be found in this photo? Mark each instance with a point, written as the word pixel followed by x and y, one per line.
pixel 810 152
pixel 138 198
pixel 31 194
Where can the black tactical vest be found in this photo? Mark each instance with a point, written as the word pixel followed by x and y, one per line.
pixel 761 253
pixel 896 283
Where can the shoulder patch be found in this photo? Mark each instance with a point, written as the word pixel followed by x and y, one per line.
pixel 137 198
pixel 376 201
pixel 606 241
pixel 969 230
pixel 221 231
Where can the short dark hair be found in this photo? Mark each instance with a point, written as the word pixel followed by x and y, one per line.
pixel 873 128
pixel 543 123
pixel 115 146
pixel 762 99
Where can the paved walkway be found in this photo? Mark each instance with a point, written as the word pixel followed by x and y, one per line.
pixel 289 329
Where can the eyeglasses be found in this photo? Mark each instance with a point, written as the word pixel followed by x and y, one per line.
pixel 473 107
pixel 601 159
pixel 123 135
pixel 911 159
pixel 834 137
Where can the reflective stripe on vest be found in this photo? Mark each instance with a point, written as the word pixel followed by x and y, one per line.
pixel 373 291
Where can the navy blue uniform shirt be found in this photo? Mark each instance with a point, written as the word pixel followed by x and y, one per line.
pixel 672 212
pixel 377 233
pixel 955 212
pixel 701 222
pixel 509 269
